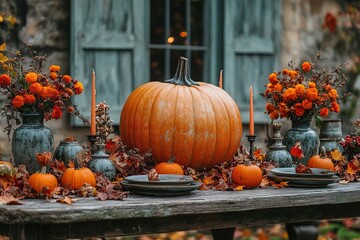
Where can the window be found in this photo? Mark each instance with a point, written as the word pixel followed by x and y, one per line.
pixel 177 28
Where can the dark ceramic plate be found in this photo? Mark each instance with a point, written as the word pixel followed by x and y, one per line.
pixel 304 181
pixel 290 172
pixel 160 190
pixel 164 179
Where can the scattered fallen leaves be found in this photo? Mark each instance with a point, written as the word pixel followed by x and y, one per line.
pixel 66 200
pixel 9 199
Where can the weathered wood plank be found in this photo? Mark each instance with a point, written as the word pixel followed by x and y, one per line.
pixel 199 210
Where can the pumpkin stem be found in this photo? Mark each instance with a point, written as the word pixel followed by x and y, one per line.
pixel 323 152
pixel 182 74
pixel 171 160
pixel 43 169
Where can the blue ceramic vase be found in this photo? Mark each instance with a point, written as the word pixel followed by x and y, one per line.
pixel 30 138
pixel 301 132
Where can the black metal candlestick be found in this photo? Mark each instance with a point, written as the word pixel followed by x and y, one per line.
pixel 92 139
pixel 251 139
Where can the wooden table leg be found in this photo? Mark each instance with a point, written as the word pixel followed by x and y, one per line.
pixel 25 232
pixel 223 233
pixel 302 231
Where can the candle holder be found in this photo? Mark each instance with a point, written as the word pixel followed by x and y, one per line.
pixel 251 139
pixel 101 163
pixel 92 139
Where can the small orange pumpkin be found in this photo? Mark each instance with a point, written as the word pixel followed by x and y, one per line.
pixel 169 167
pixel 76 178
pixel 321 161
pixel 249 176
pixel 43 181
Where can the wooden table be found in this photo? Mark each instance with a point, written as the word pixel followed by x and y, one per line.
pixel 40 219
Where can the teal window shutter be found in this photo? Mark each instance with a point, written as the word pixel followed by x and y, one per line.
pixel 109 36
pixel 252 31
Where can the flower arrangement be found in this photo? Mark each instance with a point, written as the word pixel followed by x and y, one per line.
pixel 302 92
pixel 30 90
pixel 351 143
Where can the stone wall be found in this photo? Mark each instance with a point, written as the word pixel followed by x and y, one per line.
pixel 46 27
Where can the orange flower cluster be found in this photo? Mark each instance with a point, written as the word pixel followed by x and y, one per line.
pixel 302 92
pixel 32 90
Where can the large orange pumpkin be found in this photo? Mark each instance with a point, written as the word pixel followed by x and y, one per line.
pixel 197 123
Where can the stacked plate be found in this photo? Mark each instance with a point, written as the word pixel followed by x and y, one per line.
pixel 168 185
pixel 319 177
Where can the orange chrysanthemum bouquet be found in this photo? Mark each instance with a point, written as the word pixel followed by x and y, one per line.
pixel 30 90
pixel 300 93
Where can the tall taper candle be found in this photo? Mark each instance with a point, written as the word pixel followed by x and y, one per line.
pixel 251 119
pixel 93 103
pixel 221 79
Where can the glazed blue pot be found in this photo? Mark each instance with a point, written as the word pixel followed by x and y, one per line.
pixel 301 132
pixel 30 138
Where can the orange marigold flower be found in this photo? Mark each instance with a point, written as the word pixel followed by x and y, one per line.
pixel 54 68
pixel 18 101
pixel 300 89
pixel 78 88
pixel 285 71
pixel 328 88
pixel 324 112
pixel 293 74
pixel 306 104
pixel 274 115
pixel 69 91
pixel 53 75
pixel 333 94
pixel 289 95
pixel 278 87
pixel 56 112
pixel 335 107
pixel 70 109
pixel 35 88
pixel 306 66
pixel 29 99
pixel 270 107
pixel 5 80
pixel 66 79
pixel 273 78
pixel 299 110
pixel 311 94
pixel 31 77
pixel 312 84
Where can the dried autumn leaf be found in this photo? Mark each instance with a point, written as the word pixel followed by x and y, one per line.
pixel 153 175
pixel 336 155
pixel 208 180
pixel 3 58
pixel 239 188
pixel 279 185
pixel 66 199
pixel 43 158
pixel 296 151
pixel 86 191
pixel 264 183
pixel 8 199
pixel 2 47
pixel 351 168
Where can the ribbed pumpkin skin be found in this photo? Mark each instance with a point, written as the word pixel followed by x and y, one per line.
pixel 75 178
pixel 169 168
pixel 199 125
pixel 318 162
pixel 40 180
pixel 249 176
